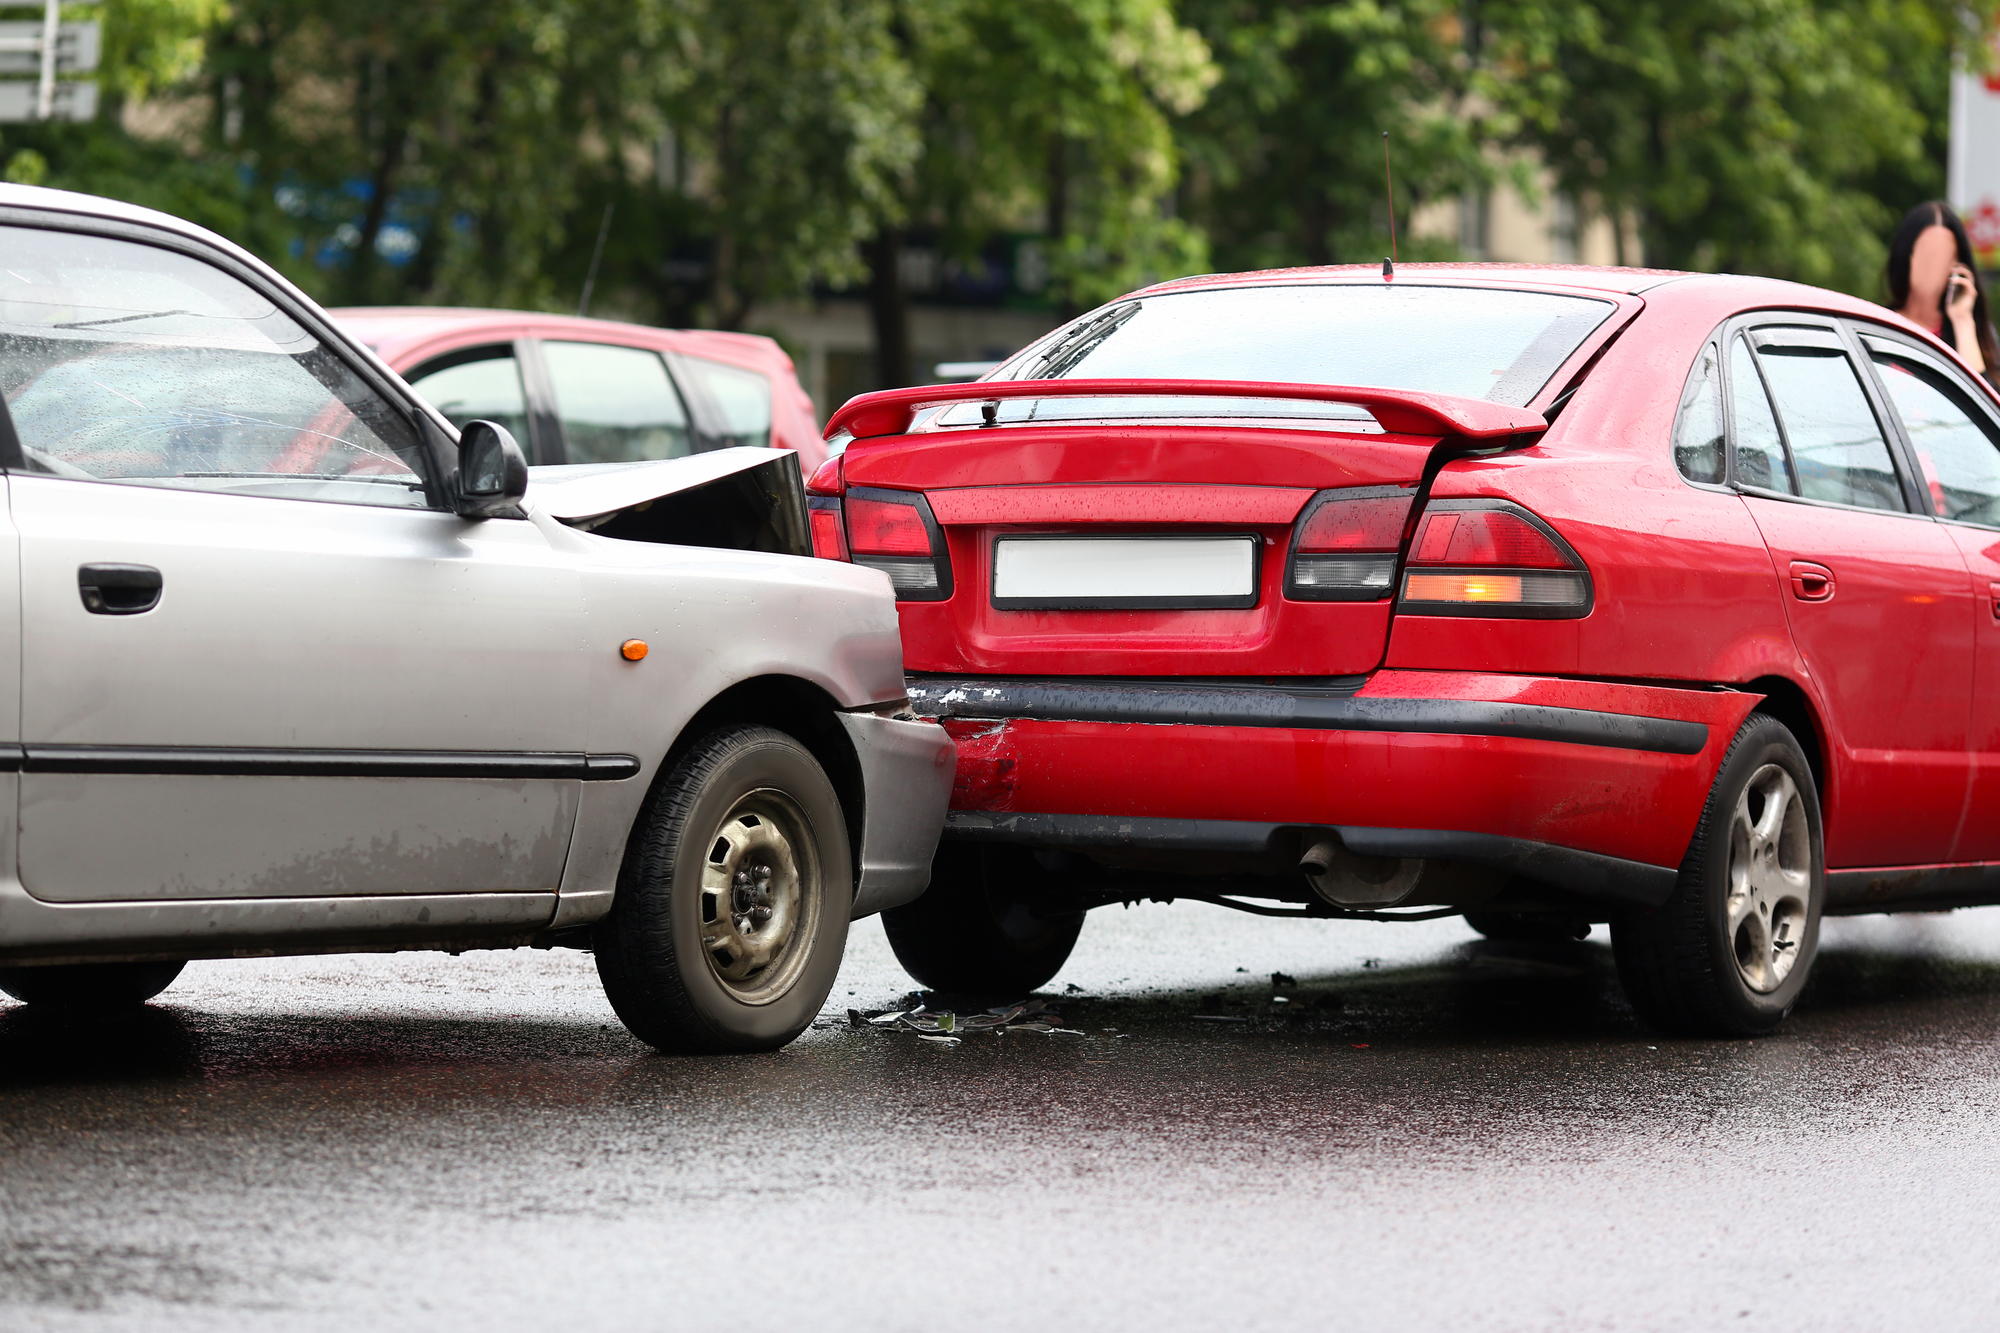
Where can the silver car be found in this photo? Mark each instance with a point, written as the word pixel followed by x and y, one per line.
pixel 299 668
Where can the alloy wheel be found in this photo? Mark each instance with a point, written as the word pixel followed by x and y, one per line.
pixel 1770 878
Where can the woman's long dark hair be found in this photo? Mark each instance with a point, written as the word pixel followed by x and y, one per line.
pixel 1915 223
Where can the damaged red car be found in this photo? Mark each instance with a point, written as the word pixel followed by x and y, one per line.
pixel 1547 596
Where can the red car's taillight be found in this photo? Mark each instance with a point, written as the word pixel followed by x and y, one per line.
pixel 1346 545
pixel 1492 558
pixel 894 531
pixel 829 532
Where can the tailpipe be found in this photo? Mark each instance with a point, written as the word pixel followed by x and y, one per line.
pixel 1345 880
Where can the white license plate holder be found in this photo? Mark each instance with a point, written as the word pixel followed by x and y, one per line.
pixel 1056 572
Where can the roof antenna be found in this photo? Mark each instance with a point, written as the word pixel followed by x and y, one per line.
pixel 1389 183
pixel 596 254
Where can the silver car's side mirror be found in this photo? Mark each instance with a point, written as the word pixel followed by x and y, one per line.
pixel 492 471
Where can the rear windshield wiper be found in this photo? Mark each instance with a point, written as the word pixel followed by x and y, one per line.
pixel 1079 343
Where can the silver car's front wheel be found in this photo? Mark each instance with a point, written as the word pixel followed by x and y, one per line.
pixel 1728 953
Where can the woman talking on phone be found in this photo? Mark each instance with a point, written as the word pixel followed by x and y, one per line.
pixel 1933 284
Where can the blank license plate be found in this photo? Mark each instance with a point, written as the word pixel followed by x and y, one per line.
pixel 1131 573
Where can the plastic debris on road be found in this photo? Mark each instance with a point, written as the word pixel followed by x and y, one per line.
pixel 947 1027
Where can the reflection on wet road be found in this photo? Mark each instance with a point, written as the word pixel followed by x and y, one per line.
pixel 1425 1132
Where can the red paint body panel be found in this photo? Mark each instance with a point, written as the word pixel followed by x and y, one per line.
pixel 1135 455
pixel 891 411
pixel 1118 504
pixel 1625 803
pixel 966 633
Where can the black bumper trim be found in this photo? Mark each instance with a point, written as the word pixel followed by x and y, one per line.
pixel 233 762
pixel 1328 708
pixel 1587 874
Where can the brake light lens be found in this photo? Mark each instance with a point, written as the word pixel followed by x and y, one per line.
pixel 894 531
pixel 1485 537
pixel 829 533
pixel 1492 558
pixel 1346 545
pixel 878 527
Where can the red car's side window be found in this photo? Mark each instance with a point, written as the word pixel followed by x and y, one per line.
pixel 1953 439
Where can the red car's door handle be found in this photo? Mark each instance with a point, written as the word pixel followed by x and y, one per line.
pixel 1811 582
pixel 1993 590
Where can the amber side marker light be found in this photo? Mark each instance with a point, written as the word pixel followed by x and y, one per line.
pixel 632 649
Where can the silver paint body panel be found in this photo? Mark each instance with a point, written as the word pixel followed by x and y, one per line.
pixel 904 816
pixel 287 624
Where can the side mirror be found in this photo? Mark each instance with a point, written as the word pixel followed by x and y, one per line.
pixel 492 471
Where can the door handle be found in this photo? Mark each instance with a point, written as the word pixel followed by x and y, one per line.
pixel 1993 595
pixel 1811 582
pixel 119 590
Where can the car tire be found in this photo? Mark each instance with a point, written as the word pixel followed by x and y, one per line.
pixel 1527 927
pixel 1728 953
pixel 89 986
pixel 731 912
pixel 977 931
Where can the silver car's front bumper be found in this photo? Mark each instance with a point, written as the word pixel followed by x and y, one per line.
pixel 906 769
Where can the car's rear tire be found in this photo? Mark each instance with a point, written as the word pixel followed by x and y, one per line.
pixel 1729 952
pixel 89 986
pixel 731 912
pixel 979 930
pixel 1527 927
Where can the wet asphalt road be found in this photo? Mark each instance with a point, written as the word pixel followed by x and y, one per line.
pixel 1430 1133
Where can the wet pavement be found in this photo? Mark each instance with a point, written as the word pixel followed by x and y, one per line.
pixel 1428 1132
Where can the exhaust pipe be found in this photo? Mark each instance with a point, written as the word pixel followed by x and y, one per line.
pixel 1345 880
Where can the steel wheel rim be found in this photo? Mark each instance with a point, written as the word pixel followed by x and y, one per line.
pixel 1770 879
pixel 760 896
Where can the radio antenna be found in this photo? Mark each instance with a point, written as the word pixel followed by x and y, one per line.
pixel 1389 184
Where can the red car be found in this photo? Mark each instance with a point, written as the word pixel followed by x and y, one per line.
pixel 1548 596
pixel 594 390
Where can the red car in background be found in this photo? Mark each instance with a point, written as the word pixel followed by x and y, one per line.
pixel 1549 596
pixel 594 390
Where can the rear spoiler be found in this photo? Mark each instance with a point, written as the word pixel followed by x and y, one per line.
pixel 1400 411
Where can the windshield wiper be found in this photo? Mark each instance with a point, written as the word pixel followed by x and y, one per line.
pixel 1080 342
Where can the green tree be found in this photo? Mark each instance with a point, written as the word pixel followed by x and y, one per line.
pixel 1049 113
pixel 1781 137
pixel 1285 159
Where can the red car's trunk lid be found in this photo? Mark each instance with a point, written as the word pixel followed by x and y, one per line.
pixel 1148 481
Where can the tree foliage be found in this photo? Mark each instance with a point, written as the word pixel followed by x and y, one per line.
pixel 467 151
pixel 1782 137
pixel 1286 157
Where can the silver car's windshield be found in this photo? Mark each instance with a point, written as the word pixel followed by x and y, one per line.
pixel 1475 342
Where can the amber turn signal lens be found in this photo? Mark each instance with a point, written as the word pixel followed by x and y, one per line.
pixel 632 649
pixel 1464 588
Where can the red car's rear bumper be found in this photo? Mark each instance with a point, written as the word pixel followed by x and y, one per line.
pixel 1592 785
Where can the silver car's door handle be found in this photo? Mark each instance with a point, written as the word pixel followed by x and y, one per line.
pixel 119 590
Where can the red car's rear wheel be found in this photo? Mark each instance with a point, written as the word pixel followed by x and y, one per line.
pixel 1728 954
pixel 982 928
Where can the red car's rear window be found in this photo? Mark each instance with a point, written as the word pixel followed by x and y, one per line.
pixel 1476 342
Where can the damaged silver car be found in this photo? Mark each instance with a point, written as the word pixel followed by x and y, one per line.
pixel 301 668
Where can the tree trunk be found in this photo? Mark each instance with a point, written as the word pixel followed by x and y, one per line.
pixel 889 308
